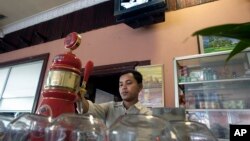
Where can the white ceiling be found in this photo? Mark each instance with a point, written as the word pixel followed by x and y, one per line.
pixel 19 9
pixel 23 13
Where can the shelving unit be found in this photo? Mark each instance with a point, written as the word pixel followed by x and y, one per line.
pixel 212 91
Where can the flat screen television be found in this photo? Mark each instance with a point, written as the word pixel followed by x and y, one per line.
pixel 127 10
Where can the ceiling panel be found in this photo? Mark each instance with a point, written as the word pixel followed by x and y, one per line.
pixel 15 10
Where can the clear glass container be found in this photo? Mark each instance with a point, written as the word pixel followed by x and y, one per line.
pixel 192 131
pixel 27 127
pixel 72 127
pixel 4 121
pixel 140 128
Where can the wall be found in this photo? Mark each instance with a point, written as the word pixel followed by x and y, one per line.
pixel 160 43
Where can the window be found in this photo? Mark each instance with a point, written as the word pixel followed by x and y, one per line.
pixel 21 82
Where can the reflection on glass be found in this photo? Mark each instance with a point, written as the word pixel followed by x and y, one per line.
pixel 192 131
pixel 27 127
pixel 140 128
pixel 72 127
pixel 4 121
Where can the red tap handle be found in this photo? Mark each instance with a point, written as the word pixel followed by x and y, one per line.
pixel 88 70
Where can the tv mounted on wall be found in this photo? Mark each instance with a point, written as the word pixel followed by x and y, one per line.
pixel 137 13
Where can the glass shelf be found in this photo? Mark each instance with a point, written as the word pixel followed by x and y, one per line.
pixel 215 81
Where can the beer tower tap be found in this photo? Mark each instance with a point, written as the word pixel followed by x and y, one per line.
pixel 62 87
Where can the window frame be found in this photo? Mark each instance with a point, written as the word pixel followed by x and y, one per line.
pixel 42 57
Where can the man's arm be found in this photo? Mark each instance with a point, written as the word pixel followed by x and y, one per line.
pixel 85 105
pixel 82 103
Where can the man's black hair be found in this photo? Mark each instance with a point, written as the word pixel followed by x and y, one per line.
pixel 137 75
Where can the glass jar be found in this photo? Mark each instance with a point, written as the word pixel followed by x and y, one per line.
pixel 134 127
pixel 192 131
pixel 72 127
pixel 27 127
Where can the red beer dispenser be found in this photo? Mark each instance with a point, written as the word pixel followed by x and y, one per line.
pixel 63 81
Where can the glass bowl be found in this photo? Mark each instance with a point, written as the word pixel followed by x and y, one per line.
pixel 134 127
pixel 192 131
pixel 73 127
pixel 27 127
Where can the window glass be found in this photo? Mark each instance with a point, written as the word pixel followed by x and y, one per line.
pixel 16 104
pixel 23 80
pixel 3 79
pixel 20 84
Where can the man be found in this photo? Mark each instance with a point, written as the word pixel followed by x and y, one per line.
pixel 130 84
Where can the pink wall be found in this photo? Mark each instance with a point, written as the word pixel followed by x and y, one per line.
pixel 160 43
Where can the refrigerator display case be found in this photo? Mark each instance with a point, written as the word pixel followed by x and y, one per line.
pixel 214 92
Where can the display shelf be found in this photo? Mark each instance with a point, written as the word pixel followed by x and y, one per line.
pixel 212 91
pixel 215 81
pixel 218 110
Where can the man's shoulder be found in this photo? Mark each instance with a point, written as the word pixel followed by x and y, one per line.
pixel 143 109
pixel 112 103
pixel 117 103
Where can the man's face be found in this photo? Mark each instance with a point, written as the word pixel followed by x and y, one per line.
pixel 128 87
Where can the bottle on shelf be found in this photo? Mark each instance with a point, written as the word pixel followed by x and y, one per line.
pixel 184 74
pixel 204 71
pixel 199 101
pixel 214 100
pixel 214 75
pixel 190 101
